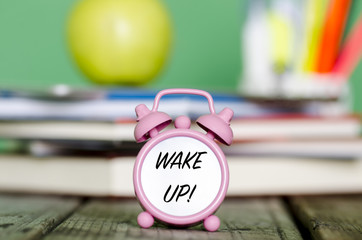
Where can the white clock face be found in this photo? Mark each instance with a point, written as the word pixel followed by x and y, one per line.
pixel 181 176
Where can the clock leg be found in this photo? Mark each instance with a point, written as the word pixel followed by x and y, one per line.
pixel 212 223
pixel 145 220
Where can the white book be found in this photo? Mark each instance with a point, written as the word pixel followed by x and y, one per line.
pixel 249 176
pixel 303 127
pixel 244 129
pixel 69 130
pixel 122 105
pixel 314 148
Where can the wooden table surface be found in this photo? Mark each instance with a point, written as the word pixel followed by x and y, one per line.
pixel 56 217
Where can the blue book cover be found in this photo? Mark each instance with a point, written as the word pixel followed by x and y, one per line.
pixel 120 103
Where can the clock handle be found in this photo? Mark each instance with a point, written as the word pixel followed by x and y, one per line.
pixel 184 91
pixel 150 122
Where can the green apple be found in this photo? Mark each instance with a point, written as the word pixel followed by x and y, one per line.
pixel 119 41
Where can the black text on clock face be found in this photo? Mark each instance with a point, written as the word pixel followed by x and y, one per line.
pixel 181 176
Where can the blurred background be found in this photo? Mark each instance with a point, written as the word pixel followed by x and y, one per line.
pixel 295 62
pixel 207 49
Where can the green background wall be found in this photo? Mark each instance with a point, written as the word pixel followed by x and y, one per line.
pixel 205 54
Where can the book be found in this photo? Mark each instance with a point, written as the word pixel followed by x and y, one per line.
pixel 114 104
pixel 305 148
pixel 83 148
pixel 249 176
pixel 69 130
pixel 283 126
pixel 296 127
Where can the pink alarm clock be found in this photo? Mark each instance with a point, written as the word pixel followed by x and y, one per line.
pixel 181 175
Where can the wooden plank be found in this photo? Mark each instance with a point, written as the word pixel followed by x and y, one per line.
pixel 330 217
pixel 258 219
pixel 116 219
pixel 30 217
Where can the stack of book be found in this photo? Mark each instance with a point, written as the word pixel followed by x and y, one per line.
pixel 297 155
pixel 81 143
pixel 299 50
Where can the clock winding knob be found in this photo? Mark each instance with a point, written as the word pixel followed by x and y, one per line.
pixel 182 122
